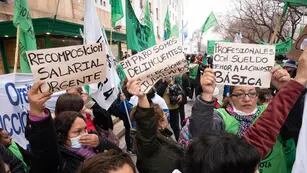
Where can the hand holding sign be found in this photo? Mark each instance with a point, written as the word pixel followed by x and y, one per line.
pixel 207 82
pixel 280 77
pixel 37 99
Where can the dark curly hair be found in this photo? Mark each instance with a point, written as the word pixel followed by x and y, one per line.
pixel 111 160
pixel 68 102
pixel 63 122
pixel 220 152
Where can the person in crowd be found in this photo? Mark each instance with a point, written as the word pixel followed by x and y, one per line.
pixel 184 84
pixel 112 161
pixel 256 136
pixel 242 112
pixel 193 71
pixel 290 66
pixel 60 145
pixel 156 153
pixel 23 155
pixel 9 163
pixel 173 95
pixel 102 122
pixel 118 109
pixel 264 96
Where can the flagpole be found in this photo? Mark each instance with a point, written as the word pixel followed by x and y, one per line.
pixel 17 49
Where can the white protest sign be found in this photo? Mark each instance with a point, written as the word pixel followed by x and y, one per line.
pixel 243 64
pixel 14 105
pixel 65 67
pixel 155 63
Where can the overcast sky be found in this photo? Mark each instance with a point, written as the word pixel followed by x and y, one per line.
pixel 196 12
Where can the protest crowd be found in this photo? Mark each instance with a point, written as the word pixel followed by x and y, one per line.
pixel 63 111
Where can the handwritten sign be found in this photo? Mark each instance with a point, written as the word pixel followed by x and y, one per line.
pixel 65 67
pixel 243 64
pixel 153 64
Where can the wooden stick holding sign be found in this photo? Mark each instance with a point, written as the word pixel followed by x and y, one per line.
pixel 17 49
pixel 243 64
pixel 66 67
pixel 155 63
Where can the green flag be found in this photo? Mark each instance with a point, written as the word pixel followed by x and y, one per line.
pixel 175 31
pixel 211 45
pixel 167 26
pixel 137 33
pixel 116 11
pixel 293 3
pixel 27 40
pixel 210 21
pixel 148 22
pixel 283 47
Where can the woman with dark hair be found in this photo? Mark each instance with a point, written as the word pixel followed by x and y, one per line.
pixel 58 146
pixel 242 113
pixel 112 161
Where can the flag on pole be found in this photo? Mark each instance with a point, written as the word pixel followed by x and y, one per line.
pixel 137 33
pixel 116 11
pixel 167 26
pixel 148 22
pixel 175 31
pixel 210 21
pixel 26 33
pixel 106 91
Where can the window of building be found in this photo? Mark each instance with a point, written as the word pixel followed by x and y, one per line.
pixel 104 3
pixel 150 7
pixel 141 4
pixel 100 2
pixel 157 13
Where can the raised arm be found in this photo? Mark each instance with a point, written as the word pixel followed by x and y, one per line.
pixel 147 124
pixel 264 132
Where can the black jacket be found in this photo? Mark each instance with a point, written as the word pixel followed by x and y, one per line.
pixel 155 152
pixel 48 156
pixel 14 163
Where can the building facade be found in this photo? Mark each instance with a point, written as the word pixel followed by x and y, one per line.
pixel 59 23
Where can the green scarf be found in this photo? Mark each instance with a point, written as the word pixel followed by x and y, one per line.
pixel 15 150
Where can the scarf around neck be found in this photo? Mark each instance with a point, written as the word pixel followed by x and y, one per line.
pixel 245 119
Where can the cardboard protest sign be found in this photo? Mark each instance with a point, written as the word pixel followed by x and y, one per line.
pixel 243 64
pixel 155 63
pixel 65 67
pixel 299 46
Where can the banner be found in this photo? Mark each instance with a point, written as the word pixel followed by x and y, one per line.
pixel 283 47
pixel 105 92
pixel 210 22
pixel 243 64
pixel 27 41
pixel 151 65
pixel 14 105
pixel 66 67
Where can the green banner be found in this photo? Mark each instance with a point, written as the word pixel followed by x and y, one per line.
pixel 148 22
pixel 138 35
pixel 284 47
pixel 211 45
pixel 116 11
pixel 27 39
pixel 167 26
pixel 210 21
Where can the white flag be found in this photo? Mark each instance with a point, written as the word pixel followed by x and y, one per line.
pixel 106 91
pixel 301 149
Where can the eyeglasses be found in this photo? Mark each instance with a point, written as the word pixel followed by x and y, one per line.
pixel 242 95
